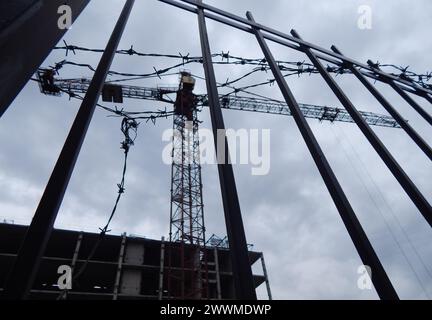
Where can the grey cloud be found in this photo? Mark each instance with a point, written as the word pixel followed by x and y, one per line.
pixel 288 214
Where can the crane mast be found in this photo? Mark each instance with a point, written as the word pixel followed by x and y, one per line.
pixel 187 230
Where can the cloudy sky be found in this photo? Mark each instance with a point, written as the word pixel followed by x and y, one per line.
pixel 288 214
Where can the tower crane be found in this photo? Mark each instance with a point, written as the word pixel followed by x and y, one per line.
pixel 187 231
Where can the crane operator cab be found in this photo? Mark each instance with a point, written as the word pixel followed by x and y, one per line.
pixel 185 101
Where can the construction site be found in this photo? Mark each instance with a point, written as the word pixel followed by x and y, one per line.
pixel 189 262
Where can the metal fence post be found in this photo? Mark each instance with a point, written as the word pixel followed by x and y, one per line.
pixel 410 188
pixel 27 41
pixel 366 252
pixel 392 111
pixel 405 95
pixel 26 265
pixel 242 271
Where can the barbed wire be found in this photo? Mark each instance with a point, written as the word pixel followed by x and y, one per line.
pixel 129 129
pixel 227 84
pixel 129 124
pixel 300 67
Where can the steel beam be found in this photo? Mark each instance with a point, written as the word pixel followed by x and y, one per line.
pixel 427 97
pixel 30 254
pixel 407 98
pixel 285 43
pixel 392 111
pixel 242 23
pixel 242 271
pixel 410 188
pixel 361 242
pixel 27 41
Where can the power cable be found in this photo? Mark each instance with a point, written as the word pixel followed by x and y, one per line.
pixel 385 219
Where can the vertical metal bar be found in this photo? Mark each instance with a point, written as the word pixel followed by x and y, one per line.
pixel 391 163
pixel 29 257
pixel 218 283
pixel 392 111
pixel 364 248
pixel 119 267
pixel 64 294
pixel 182 271
pixel 75 255
pixel 161 269
pixel 242 271
pixel 23 46
pixel 405 95
pixel 266 277
pixel 76 252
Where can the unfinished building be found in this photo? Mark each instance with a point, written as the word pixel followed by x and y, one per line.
pixel 122 267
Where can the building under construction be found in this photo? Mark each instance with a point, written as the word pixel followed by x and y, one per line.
pixel 123 267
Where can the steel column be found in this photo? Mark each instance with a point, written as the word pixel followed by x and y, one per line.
pixel 217 271
pixel 366 252
pixel 27 41
pixel 74 259
pixel 391 163
pixel 392 111
pixel 406 97
pixel 76 251
pixel 64 293
pixel 242 271
pixel 30 254
pixel 119 267
pixel 266 277
pixel 161 268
